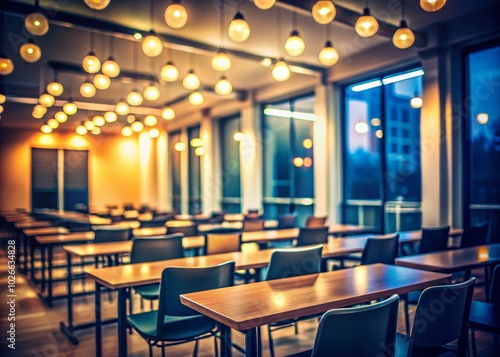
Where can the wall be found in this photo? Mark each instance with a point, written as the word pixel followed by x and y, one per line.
pixel 113 165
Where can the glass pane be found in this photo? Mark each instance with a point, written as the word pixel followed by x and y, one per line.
pixel 230 151
pixel 484 74
pixel 175 167
pixel 363 129
pixel 402 178
pixel 194 172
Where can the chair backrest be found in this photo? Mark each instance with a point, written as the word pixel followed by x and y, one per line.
pixel 312 235
pixel 368 330
pixel 380 249
pixel 158 221
pixel 286 263
pixel 253 225
pixel 495 287
pixel 107 234
pixel 188 231
pixel 474 235
pixel 442 316
pixel 158 248
pixel 287 221
pixel 312 221
pixel 217 217
pixel 180 280
pixel 222 240
pixel 434 239
pixel 75 226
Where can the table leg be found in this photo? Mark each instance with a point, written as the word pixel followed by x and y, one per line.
pixel 122 322
pixel 42 258
pixel 225 341
pixel 31 259
pixel 251 347
pixel 25 252
pixel 49 279
pixel 68 329
pixel 98 326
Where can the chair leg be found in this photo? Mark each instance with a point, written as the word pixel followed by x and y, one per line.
pixel 216 346
pixel 150 350
pixel 195 351
pixel 296 326
pixel 473 341
pixel 162 350
pixel 151 305
pixel 271 342
pixel 407 316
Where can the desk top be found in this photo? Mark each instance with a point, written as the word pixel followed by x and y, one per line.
pixel 65 238
pixel 262 303
pixel 454 260
pixel 45 231
pixel 32 224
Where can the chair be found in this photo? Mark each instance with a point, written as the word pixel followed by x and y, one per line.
pixel 253 225
pixel 173 323
pixel 288 263
pixel 151 250
pixel 188 230
pixel 222 240
pixel 485 316
pixel 217 217
pixel 158 221
pixel 287 221
pixel 312 235
pixel 474 235
pixel 253 214
pixel 312 221
pixel 382 249
pixel 368 330
pixel 441 317
pixel 76 226
pixel 109 234
pixel 434 239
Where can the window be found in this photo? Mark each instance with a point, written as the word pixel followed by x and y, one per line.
pixel 194 173
pixel 230 164
pixel 382 160
pixel 288 158
pixel 175 169
pixel 482 176
pixel 49 168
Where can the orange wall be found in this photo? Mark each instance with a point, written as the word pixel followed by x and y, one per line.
pixel 113 165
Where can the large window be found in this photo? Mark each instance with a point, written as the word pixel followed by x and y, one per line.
pixel 382 152
pixel 288 158
pixel 194 174
pixel 482 171
pixel 230 163
pixel 175 170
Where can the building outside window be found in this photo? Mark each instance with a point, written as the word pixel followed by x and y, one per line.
pixel 229 129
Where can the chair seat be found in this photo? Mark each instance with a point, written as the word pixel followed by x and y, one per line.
pixel 177 328
pixel 148 292
pixel 403 346
pixel 484 317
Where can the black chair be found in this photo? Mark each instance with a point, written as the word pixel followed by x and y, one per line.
pixel 77 226
pixel 287 221
pixel 312 221
pixel 217 217
pixel 253 225
pixel 108 234
pixel 188 230
pixel 434 239
pixel 158 221
pixel 441 317
pixel 368 330
pixel 485 316
pixel 151 250
pixel 382 249
pixel 474 235
pixel 174 323
pixel 286 264
pixel 222 240
pixel 312 235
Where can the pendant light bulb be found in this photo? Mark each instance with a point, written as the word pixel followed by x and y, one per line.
pixel 55 88
pixel 6 65
pixel 151 92
pixel 191 81
pixel 366 25
pixel 110 68
pixel 101 81
pixel 403 37
pixel 238 30
pixel 98 120
pixel 176 15
pixel 169 72
pixel 281 72
pixel 46 129
pixel 416 102
pixel 134 98
pixel 46 100
pixel 40 109
pixel 81 130
pixel 221 61
pixel 152 45
pixel 127 131
pixel 328 55
pixel 137 126
pixel 97 4
pixel 150 120
pixel 264 4
pixel 168 113
pixel 36 24
pixel 70 108
pixel 324 12
pixel 3 98
pixel 61 117
pixel 122 108
pixel 52 123
pixel 196 98
pixel 295 45
pixel 432 5
pixel 223 86
pixel 87 89
pixel 91 63
pixel 110 117
pixel 30 51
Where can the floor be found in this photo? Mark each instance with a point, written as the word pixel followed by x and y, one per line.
pixel 38 335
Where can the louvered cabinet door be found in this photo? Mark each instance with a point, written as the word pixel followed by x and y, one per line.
pixel 44 178
pixel 76 178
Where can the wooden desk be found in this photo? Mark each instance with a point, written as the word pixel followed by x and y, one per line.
pixel 455 260
pixel 253 305
pixel 32 224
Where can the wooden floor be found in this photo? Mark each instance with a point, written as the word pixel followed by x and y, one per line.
pixel 37 327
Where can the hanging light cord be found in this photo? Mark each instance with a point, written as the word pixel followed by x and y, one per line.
pixel 294 19
pixel 278 25
pixel 328 33
pixel 91 41
pixel 191 60
pixel 151 15
pixel 403 10
pixel 111 45
pixel 221 3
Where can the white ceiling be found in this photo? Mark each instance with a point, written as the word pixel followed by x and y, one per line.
pixel 69 44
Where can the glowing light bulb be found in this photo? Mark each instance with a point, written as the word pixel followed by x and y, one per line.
pixel 221 61
pixel 137 126
pixel 46 100
pixel 61 117
pixel 238 136
pixel 110 117
pixel 101 81
pixel 223 86
pixel 6 65
pixel 110 68
pixel 191 81
pixel 87 89
pixel 46 129
pixel 122 108
pixel 151 92
pixel 328 56
pixel 36 24
pixel 55 88
pixel 91 63
pixel 416 102
pixel 70 108
pixel 366 25
pixel 238 30
pixel 168 113
pixel 30 52
pixel 97 4
pixel 264 4
pixel 169 72
pixel 153 133
pixel 81 130
pixel 432 5
pixel 295 45
pixel 179 146
pixel 134 98
pixel 127 131
pixel 403 37
pixel 176 15
pixel 53 123
pixel 324 12
pixel 98 120
pixel 150 120
pixel 196 98
pixel 152 46
pixel 281 72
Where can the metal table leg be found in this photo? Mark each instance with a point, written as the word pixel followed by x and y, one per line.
pixel 68 329
pixel 122 322
pixel 251 346
pixel 98 327
pixel 225 341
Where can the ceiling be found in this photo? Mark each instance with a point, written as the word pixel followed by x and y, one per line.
pixel 71 22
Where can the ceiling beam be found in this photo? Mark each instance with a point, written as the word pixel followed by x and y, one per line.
pixel 349 17
pixel 175 42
